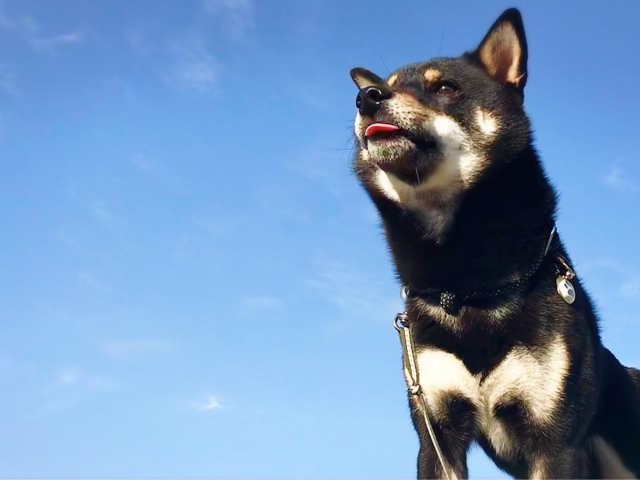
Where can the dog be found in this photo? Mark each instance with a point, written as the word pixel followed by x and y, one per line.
pixel 508 347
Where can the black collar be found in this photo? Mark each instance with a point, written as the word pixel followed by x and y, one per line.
pixel 452 301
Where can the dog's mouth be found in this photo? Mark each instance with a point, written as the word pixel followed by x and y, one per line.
pixel 401 152
pixel 383 133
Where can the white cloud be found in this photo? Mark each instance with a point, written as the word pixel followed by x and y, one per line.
pixel 163 173
pixel 236 16
pixel 184 248
pixel 194 68
pixel 325 162
pixel 139 42
pixel 219 228
pixel 259 306
pixel 69 378
pixel 211 402
pixel 135 349
pixel 71 388
pixel 7 80
pixel 631 288
pixel 617 179
pixel 260 302
pixel 356 295
pixel 628 279
pixel 52 44
pixel 24 24
pixel 27 28
pixel 90 280
pixel 4 21
pixel 143 163
pixel 74 378
pixel 104 215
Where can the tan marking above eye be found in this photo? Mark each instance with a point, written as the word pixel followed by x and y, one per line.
pixel 487 122
pixel 392 79
pixel 432 75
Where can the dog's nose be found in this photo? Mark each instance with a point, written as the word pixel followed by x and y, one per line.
pixel 369 100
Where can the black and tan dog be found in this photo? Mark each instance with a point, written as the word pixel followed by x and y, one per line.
pixel 508 345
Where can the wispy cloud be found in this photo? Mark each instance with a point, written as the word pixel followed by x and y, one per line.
pixel 73 377
pixel 617 179
pixel 219 228
pixel 194 67
pixel 159 171
pixel 104 215
pixel 210 402
pixel 143 163
pixel 53 44
pixel 8 80
pixel 258 306
pixel 138 348
pixel 261 301
pixel 139 41
pixel 356 295
pixel 628 279
pixel 325 163
pixel 71 387
pixel 27 28
pixel 24 24
pixel 69 378
pixel 90 280
pixel 615 288
pixel 184 248
pixel 101 212
pixel 235 16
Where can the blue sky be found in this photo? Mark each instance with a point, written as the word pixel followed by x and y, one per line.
pixel 194 285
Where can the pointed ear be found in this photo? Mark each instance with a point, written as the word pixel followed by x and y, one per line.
pixel 364 78
pixel 503 51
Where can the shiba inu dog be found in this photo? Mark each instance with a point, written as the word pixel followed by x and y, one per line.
pixel 507 340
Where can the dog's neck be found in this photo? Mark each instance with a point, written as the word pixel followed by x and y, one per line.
pixel 498 230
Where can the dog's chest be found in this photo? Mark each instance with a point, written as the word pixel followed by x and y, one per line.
pixel 533 378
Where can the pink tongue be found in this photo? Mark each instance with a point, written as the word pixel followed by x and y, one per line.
pixel 375 128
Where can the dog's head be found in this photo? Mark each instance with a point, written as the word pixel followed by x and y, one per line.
pixel 431 130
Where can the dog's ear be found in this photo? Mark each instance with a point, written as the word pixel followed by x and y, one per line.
pixel 503 51
pixel 363 78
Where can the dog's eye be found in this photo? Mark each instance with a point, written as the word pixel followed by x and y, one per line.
pixel 445 88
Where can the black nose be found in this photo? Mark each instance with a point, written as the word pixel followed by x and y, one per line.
pixel 369 100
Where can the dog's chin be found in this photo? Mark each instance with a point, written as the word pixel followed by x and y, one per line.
pixel 402 158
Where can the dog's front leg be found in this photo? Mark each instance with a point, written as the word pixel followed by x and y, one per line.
pixel 453 425
pixel 558 462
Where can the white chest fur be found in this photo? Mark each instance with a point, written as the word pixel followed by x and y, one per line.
pixel 536 377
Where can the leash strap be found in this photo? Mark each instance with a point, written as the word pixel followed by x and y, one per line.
pixel 413 381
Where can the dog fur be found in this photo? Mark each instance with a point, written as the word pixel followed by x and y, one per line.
pixel 445 152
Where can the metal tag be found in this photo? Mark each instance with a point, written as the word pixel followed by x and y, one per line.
pixel 566 290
